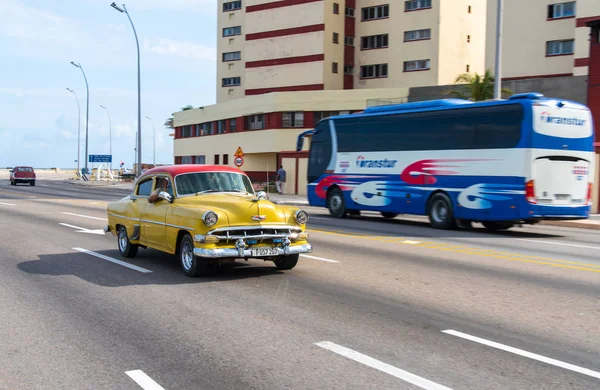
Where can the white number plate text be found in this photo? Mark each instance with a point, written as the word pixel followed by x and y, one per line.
pixel 265 252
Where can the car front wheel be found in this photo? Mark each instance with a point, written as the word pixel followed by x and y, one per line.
pixel 191 264
pixel 287 262
pixel 126 248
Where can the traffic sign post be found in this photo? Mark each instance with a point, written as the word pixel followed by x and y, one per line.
pixel 100 158
pixel 238 161
pixel 239 152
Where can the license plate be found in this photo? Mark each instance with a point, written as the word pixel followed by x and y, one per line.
pixel 562 196
pixel 265 252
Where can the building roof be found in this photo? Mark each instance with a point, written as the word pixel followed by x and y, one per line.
pixel 175 170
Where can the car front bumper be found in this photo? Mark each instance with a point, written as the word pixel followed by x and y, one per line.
pixel 247 253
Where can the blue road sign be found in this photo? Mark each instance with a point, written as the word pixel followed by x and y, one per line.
pixel 100 158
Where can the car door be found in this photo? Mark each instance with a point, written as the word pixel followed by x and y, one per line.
pixel 154 219
pixel 139 199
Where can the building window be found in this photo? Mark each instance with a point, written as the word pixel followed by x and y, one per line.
pixel 232 56
pixel 232 125
pixel 349 41
pixel 374 71
pixel 200 159
pixel 411 66
pixel 350 12
pixel 348 69
pixel 469 9
pixel 186 131
pixel 225 159
pixel 336 8
pixel 210 127
pixel 557 48
pixel 216 160
pixel 417 35
pixel 292 119
pixel 220 127
pixel 334 67
pixel 336 38
pixel 255 122
pixel 231 81
pixel 320 115
pixel 413 5
pixel 561 10
pixel 377 12
pixel 186 159
pixel 229 31
pixel 468 68
pixel 468 39
pixel 374 42
pixel 232 6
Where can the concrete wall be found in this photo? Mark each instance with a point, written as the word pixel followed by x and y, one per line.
pixel 570 88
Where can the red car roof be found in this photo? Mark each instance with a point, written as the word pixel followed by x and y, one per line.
pixel 178 169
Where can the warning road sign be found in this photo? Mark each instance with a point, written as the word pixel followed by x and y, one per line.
pixel 239 152
pixel 238 161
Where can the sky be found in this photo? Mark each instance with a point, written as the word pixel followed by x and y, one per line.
pixel 39 39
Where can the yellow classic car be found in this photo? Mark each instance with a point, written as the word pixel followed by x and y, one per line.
pixel 207 215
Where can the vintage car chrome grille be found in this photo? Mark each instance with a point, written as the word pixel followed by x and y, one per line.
pixel 256 233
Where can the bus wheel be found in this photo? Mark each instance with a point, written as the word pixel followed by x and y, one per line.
pixel 489 225
pixel 336 203
pixel 387 215
pixel 441 215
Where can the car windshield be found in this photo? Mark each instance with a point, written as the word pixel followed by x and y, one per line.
pixel 192 183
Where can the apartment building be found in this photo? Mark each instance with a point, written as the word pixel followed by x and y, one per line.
pixel 542 38
pixel 300 45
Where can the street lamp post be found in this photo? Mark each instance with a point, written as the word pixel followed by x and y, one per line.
pixel 154 142
pixel 498 70
pixel 109 135
pixel 139 132
pixel 78 128
pixel 87 114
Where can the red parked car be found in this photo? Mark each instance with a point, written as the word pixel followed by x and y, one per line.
pixel 22 175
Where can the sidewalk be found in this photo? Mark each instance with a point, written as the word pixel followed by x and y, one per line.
pixel 293 200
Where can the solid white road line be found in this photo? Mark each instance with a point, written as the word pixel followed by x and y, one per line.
pixel 144 380
pixel 381 366
pixel 119 262
pixel 320 259
pixel 72 226
pixel 7 204
pixel 410 242
pixel 521 352
pixel 560 243
pixel 85 216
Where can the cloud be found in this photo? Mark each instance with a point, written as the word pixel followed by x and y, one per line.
pixel 184 49
pixel 29 23
pixel 123 131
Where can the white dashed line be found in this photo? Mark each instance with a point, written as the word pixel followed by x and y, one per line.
pixel 411 242
pixel 119 262
pixel 560 243
pixel 521 352
pixel 320 259
pixel 85 216
pixel 7 204
pixel 381 366
pixel 143 380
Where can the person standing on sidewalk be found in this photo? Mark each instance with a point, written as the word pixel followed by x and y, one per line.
pixel 280 180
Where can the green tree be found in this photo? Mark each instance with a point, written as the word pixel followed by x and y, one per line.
pixel 476 87
pixel 169 122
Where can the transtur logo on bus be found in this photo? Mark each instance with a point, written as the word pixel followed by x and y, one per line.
pixel 385 163
pixel 559 120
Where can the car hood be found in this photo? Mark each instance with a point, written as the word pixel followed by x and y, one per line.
pixel 239 209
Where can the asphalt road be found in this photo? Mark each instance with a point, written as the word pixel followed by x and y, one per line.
pixel 378 305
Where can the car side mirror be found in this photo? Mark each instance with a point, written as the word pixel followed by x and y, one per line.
pixel 165 196
pixel 261 195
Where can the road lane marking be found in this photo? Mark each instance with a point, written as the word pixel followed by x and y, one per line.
pixel 320 259
pixel 85 216
pixel 84 230
pixel 7 204
pixel 521 352
pixel 410 242
pixel 119 262
pixel 144 380
pixel 560 243
pixel 381 366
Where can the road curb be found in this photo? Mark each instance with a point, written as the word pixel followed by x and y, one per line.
pixel 572 224
pixel 92 184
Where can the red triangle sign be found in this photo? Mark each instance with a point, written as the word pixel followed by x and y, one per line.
pixel 239 152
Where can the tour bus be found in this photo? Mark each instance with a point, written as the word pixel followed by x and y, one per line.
pixel 498 162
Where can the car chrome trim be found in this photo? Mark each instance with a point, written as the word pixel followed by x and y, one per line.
pixel 255 227
pixel 247 253
pixel 179 227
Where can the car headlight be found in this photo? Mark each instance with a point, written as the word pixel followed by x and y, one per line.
pixel 301 217
pixel 210 218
